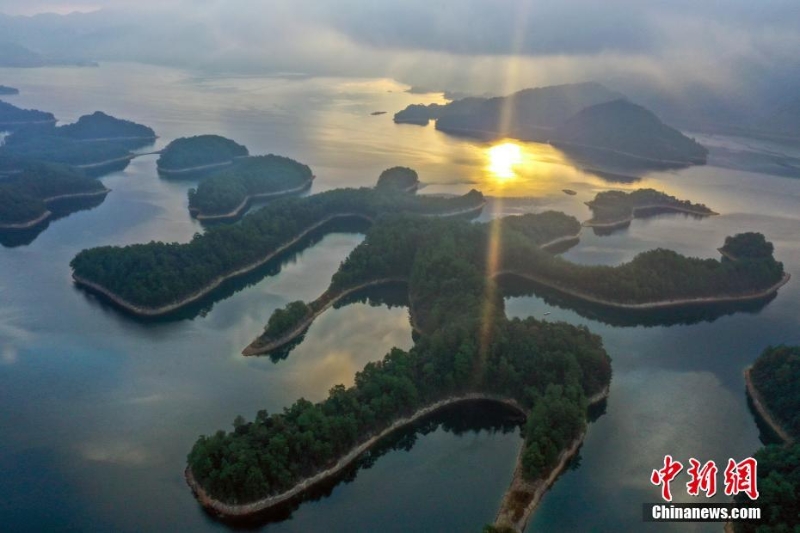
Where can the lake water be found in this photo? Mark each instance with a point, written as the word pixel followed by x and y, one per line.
pixel 99 410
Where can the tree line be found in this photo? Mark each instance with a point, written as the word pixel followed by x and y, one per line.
pixel 776 376
pixel 468 345
pixel 22 193
pixel 226 190
pixel 157 273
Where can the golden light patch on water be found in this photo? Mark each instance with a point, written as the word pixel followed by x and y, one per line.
pixel 513 168
pixel 504 159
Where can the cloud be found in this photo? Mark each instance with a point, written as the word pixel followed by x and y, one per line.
pixel 719 57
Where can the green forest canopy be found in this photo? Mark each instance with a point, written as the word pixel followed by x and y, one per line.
pixel 398 178
pixel 776 376
pixel 748 246
pixel 99 125
pixel 613 206
pixel 157 274
pixel 550 369
pixel 22 194
pixel 10 114
pixel 200 150
pixel 226 190
pixel 38 145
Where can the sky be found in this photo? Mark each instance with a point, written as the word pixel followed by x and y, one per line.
pixel 714 53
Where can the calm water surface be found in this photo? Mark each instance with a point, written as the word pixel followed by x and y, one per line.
pixel 99 410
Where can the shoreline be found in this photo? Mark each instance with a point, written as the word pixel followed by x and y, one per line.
pixel 560 240
pixel 688 162
pixel 107 162
pixel 253 348
pixel 762 410
pixel 464 211
pixel 26 123
pixel 508 515
pixel 262 349
pixel 248 199
pixel 247 509
pixel 144 311
pixel 29 224
pixel 624 222
pixel 101 192
pixel 537 488
pixel 187 170
pixel 47 214
pixel 216 282
pixel 104 139
pixel 660 304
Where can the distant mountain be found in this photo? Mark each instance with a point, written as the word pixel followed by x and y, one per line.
pixel 8 90
pixel 628 129
pixel 530 114
pixel 587 120
pixel 14 55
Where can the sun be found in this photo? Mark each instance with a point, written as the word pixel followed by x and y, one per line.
pixel 503 158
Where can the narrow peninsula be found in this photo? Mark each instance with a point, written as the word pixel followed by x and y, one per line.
pixel 159 278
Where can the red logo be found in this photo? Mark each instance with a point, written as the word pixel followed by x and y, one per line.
pixel 703 478
pixel 665 476
pixel 740 477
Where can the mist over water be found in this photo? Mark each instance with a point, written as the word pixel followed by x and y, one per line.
pixel 99 410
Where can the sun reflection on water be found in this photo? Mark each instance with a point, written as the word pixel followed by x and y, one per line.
pixel 503 160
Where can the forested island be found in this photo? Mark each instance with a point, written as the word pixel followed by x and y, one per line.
pixel 399 178
pixel 585 119
pixel 157 278
pixel 13 117
pixel 102 127
pixel 98 142
pixel 773 384
pixel 228 193
pixel 47 171
pixel 529 114
pixel 615 209
pixel 39 146
pixel 189 155
pixel 24 194
pixel 467 350
pixel 7 91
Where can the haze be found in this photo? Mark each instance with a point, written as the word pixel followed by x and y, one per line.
pixel 717 62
